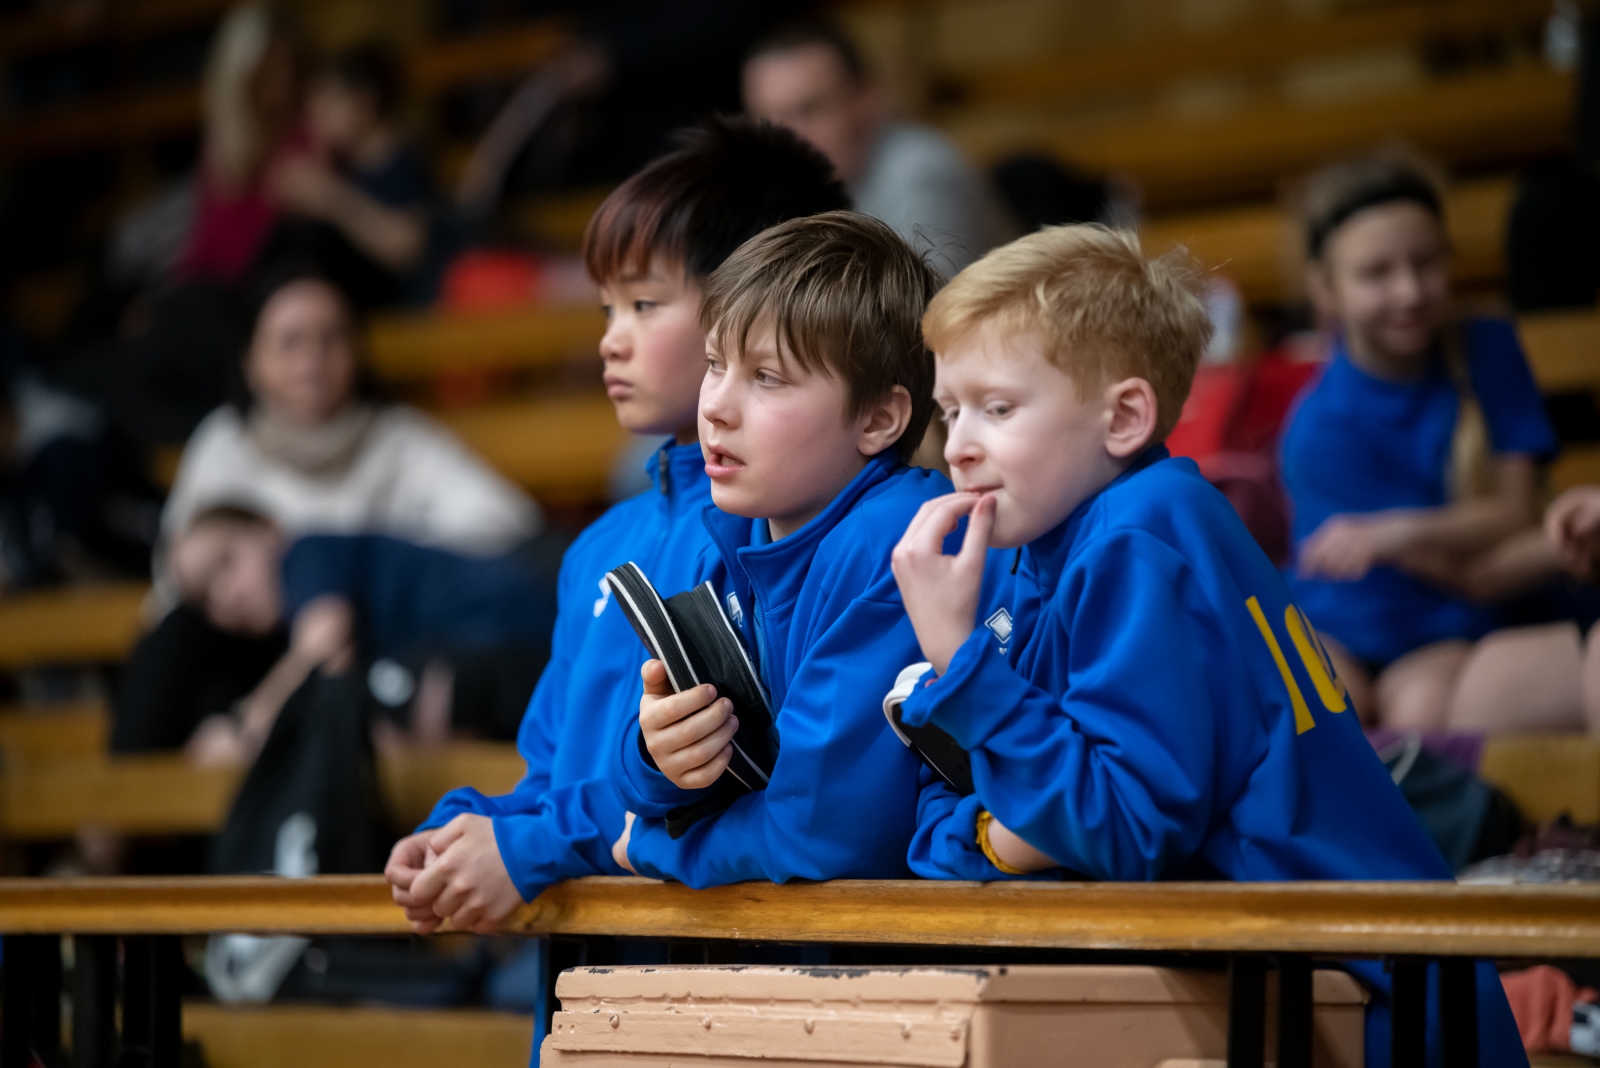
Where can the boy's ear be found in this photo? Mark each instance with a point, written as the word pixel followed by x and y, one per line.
pixel 1134 413
pixel 885 422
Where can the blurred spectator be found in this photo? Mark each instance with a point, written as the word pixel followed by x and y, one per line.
pixel 810 77
pixel 357 206
pixel 635 71
pixel 1413 457
pixel 311 455
pixel 474 630
pixel 252 125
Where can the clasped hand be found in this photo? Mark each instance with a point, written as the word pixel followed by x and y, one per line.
pixel 941 591
pixel 452 873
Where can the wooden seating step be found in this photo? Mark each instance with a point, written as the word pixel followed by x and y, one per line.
pixel 160 793
pixel 319 1036
pixel 1476 118
pixel 1563 348
pixel 421 345
pixel 561 449
pixel 49 732
pixel 71 625
pixel 1272 41
pixel 1261 248
pixel 1546 775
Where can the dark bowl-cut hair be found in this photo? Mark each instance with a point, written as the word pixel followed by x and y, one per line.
pixel 726 180
pixel 844 296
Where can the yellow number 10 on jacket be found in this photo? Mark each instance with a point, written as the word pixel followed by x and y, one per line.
pixel 1330 688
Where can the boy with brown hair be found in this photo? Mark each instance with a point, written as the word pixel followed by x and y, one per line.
pixel 1163 709
pixel 817 390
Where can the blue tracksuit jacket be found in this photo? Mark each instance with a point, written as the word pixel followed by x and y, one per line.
pixel 560 821
pixel 822 615
pixel 1165 712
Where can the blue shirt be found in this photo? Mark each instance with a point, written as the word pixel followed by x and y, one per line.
pixel 410 597
pixel 1164 712
pixel 1357 443
pixel 833 634
pixel 560 821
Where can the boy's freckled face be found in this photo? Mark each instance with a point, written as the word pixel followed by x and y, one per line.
pixel 654 351
pixel 230 572
pixel 1019 430
pixel 775 437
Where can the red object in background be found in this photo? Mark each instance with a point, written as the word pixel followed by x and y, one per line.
pixel 490 279
pixel 1230 427
pixel 1541 1000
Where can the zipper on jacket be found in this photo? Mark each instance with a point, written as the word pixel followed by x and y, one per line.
pixel 664 468
pixel 761 651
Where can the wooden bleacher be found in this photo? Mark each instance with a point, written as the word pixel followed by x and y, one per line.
pixel 1261 248
pixel 1270 41
pixel 161 794
pixel 70 625
pixel 326 1036
pixel 1473 119
pixel 420 345
pixel 1564 351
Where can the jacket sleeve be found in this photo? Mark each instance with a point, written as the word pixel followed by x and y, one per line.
pixel 544 834
pixel 945 845
pixel 1114 776
pixel 645 790
pixel 842 798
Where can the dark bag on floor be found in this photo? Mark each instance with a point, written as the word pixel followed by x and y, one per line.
pixel 1468 818
pixel 310 805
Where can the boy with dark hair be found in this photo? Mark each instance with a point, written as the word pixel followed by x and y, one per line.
pixel 1164 710
pixel 816 392
pixel 650 247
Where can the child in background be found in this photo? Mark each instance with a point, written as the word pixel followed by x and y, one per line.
pixel 1162 710
pixel 817 391
pixel 1415 453
pixel 650 247
pixel 359 205
pixel 451 641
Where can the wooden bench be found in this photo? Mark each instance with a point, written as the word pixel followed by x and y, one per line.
pixel 1563 348
pixel 30 733
pixel 1409 923
pixel 161 794
pixel 1262 248
pixel 1271 42
pixel 420 345
pixel 70 625
pixel 1478 118
pixel 561 449
pixel 325 1036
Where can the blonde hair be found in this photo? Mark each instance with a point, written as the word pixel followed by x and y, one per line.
pixel 1105 311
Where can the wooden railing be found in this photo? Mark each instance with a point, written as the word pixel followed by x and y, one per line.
pixel 1248 924
pixel 1330 919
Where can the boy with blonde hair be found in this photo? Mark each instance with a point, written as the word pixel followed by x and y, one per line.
pixel 1163 709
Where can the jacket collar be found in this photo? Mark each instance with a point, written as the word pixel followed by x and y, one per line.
pixel 778 567
pixel 678 470
pixel 1049 553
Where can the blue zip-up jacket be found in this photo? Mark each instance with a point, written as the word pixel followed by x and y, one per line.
pixel 1165 712
pixel 560 821
pixel 833 633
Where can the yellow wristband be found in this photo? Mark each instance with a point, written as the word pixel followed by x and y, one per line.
pixel 984 819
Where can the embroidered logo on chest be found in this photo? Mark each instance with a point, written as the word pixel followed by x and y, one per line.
pixel 734 611
pixel 1000 625
pixel 605 595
